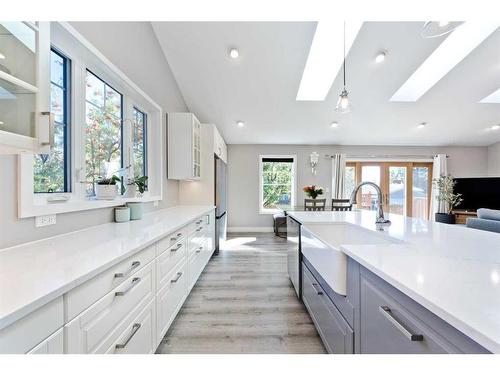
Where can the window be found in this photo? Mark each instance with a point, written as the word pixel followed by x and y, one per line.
pixel 51 171
pixel 277 182
pixel 405 186
pixel 139 143
pixel 103 131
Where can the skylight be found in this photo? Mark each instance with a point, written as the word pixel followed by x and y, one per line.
pixel 492 98
pixel 452 50
pixel 325 58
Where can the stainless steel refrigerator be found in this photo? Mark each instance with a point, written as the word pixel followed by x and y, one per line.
pixel 220 202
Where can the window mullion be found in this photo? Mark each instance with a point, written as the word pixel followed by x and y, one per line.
pixel 78 120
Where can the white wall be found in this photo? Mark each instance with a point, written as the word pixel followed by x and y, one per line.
pixel 132 47
pixel 243 172
pixel 494 160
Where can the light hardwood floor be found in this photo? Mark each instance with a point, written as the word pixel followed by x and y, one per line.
pixel 244 303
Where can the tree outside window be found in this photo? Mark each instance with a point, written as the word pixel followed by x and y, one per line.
pixel 277 182
pixel 49 170
pixel 103 131
pixel 139 143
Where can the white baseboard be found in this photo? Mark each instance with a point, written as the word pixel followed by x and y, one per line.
pixel 250 229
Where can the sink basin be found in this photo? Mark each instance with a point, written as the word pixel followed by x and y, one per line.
pixel 321 246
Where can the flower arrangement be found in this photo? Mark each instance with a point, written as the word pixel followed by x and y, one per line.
pixel 313 191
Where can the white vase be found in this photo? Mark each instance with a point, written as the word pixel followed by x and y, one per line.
pixel 130 191
pixel 105 192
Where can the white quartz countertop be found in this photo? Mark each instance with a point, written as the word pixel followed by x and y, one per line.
pixel 35 273
pixel 451 270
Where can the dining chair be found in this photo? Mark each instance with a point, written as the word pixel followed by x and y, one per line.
pixel 341 205
pixel 314 204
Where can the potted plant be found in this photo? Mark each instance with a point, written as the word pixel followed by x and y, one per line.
pixel 106 188
pixel 446 198
pixel 136 186
pixel 313 191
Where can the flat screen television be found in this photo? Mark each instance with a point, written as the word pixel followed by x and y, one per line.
pixel 482 192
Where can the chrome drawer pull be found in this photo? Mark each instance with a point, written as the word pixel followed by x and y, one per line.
pixel 135 264
pixel 199 222
pixel 134 282
pixel 320 293
pixel 176 248
pixel 200 228
pixel 386 311
pixel 135 328
pixel 176 238
pixel 176 278
pixel 199 250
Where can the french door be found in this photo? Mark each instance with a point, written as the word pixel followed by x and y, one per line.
pixel 405 186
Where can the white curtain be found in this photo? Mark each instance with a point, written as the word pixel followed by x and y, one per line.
pixel 440 168
pixel 338 175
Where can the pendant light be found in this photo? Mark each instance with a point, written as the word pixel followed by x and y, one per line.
pixel 343 104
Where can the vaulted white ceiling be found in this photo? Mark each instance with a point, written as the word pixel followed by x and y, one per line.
pixel 260 86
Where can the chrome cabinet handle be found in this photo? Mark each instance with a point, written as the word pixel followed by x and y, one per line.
pixel 176 278
pixel 134 265
pixel 176 248
pixel 199 250
pixel 134 282
pixel 200 228
pixel 319 292
pixel 386 311
pixel 135 328
pixel 199 222
pixel 176 237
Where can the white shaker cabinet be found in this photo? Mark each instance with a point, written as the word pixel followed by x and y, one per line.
pixel 184 146
pixel 25 119
pixel 220 147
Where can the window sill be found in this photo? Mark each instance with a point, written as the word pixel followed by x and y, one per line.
pixel 51 208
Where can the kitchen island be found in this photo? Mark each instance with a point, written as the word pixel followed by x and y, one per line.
pixel 444 279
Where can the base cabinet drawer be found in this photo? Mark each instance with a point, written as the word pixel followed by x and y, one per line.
pixel 52 345
pixel 170 298
pixel 392 323
pixel 25 334
pixel 335 332
pixel 196 264
pixel 139 336
pixel 88 332
pixel 80 298
pixel 168 260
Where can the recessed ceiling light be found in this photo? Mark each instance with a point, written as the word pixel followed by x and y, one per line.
pixel 422 125
pixel 492 98
pixel 324 61
pixel 495 127
pixel 234 53
pixel 1 122
pixel 240 124
pixel 334 124
pixel 380 57
pixel 449 53
pixel 2 56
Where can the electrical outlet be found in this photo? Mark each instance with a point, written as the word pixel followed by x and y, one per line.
pixel 43 221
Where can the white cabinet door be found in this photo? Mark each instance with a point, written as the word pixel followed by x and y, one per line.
pixel 184 147
pixel 139 337
pixel 25 86
pixel 54 344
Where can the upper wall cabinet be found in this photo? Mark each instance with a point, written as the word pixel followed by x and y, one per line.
pixel 220 147
pixel 25 87
pixel 184 147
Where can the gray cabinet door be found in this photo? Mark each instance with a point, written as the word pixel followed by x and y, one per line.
pixel 336 334
pixel 388 327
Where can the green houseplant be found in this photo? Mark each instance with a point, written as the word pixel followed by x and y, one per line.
pixel 447 199
pixel 106 188
pixel 137 186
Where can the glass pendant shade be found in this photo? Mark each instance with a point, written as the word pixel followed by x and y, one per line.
pixel 434 29
pixel 343 104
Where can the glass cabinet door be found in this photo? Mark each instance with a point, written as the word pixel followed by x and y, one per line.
pixel 24 81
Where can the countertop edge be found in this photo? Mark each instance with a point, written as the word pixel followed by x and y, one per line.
pixel 15 315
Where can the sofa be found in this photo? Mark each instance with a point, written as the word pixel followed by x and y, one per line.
pixel 486 220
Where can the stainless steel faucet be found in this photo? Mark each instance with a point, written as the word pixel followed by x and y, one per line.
pixel 380 211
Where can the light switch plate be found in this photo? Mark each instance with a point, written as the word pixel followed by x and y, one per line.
pixel 43 221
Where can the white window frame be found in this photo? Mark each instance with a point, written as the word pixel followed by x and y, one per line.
pixel 293 199
pixel 83 56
